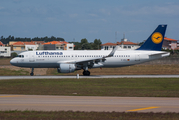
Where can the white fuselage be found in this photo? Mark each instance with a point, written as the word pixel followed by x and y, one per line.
pixel 52 59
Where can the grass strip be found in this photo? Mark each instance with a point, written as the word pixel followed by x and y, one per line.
pixel 70 115
pixel 123 87
pixel 9 72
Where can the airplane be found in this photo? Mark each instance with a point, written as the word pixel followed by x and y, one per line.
pixel 70 61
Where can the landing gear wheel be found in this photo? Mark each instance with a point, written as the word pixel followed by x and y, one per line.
pixel 31 74
pixel 86 73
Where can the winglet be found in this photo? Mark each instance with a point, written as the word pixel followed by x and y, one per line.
pixel 113 51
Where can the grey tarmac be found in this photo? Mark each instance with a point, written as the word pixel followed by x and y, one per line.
pixel 95 76
pixel 88 103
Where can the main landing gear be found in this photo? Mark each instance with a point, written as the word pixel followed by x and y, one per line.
pixel 32 72
pixel 86 73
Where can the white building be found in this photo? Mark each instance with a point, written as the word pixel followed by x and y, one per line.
pixel 127 45
pixel 108 46
pixel 70 46
pixel 30 46
pixel 124 44
pixel 5 51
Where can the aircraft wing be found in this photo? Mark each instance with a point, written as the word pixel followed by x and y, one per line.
pixel 96 59
pixel 113 51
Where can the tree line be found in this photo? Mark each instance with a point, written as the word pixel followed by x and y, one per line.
pixel 45 39
pixel 85 45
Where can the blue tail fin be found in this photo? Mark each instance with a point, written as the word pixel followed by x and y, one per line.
pixel 155 40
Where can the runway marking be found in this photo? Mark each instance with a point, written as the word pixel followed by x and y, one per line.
pixel 11 96
pixel 142 109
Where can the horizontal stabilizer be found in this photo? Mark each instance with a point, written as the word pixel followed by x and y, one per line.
pixel 163 54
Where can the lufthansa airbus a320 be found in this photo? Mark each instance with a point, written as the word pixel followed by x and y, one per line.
pixel 69 61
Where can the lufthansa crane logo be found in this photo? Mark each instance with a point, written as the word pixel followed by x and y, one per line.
pixel 157 37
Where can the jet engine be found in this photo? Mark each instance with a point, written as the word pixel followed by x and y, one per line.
pixel 66 68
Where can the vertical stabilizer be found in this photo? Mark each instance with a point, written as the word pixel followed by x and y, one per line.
pixel 155 40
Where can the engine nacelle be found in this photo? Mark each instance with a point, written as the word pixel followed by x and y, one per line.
pixel 66 68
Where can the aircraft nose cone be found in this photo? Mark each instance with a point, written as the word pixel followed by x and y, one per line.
pixel 12 62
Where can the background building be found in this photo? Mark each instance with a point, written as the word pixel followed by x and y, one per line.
pixel 124 44
pixel 23 46
pixel 108 46
pixel 169 43
pixel 57 45
pixel 17 46
pixel 1 44
pixel 5 51
pixel 40 45
pixel 30 46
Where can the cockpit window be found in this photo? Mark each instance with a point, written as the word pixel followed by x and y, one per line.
pixel 20 56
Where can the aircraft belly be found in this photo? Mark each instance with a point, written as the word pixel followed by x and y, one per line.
pixel 39 65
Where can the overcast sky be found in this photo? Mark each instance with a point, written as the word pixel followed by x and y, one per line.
pixel 74 20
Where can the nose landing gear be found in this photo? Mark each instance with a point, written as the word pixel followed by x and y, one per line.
pixel 32 72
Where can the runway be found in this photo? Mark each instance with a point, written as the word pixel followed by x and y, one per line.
pixel 95 76
pixel 90 103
